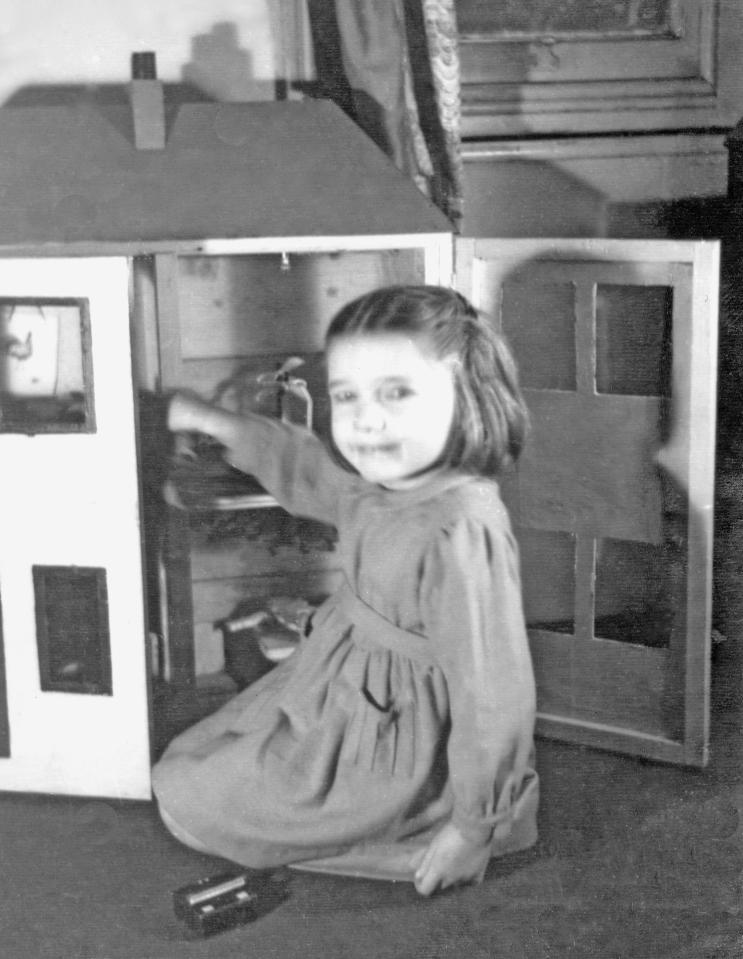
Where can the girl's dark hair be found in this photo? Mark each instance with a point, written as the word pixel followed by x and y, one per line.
pixel 490 419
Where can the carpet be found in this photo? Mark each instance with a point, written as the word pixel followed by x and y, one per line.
pixel 635 861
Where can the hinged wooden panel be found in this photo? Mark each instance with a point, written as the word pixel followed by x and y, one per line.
pixel 612 499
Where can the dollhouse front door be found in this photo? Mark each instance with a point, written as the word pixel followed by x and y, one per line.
pixel 616 343
pixel 73 676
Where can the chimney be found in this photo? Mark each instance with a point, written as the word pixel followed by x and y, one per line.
pixel 147 100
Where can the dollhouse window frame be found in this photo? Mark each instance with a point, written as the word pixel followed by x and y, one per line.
pixel 10 423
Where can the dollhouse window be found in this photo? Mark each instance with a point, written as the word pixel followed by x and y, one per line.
pixel 639 591
pixel 72 629
pixel 46 376
pixel 539 323
pixel 549 590
pixel 633 339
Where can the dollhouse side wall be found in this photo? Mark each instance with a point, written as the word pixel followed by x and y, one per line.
pixel 69 513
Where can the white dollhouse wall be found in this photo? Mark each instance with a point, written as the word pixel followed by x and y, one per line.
pixel 69 503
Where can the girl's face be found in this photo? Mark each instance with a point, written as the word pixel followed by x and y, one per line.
pixel 392 405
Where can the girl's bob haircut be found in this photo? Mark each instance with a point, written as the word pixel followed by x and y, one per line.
pixel 490 418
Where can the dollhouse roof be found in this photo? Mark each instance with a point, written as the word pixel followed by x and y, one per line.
pixel 71 174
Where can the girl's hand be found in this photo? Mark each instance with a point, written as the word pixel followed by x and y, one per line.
pixel 188 413
pixel 451 858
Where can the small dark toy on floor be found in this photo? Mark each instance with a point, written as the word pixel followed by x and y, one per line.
pixel 218 903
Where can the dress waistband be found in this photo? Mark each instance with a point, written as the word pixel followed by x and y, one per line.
pixel 380 630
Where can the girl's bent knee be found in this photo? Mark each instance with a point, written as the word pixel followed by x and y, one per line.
pixel 181 834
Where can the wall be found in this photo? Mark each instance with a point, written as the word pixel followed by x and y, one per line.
pixel 225 49
pixel 662 185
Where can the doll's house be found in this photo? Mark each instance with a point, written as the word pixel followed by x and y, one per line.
pixel 143 251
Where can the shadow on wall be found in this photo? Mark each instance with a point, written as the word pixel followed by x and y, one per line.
pixel 111 99
pixel 523 197
pixel 223 69
pixel 98 95
pixel 220 68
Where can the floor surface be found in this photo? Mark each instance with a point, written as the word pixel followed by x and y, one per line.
pixel 635 861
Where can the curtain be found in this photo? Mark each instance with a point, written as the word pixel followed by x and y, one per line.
pixel 393 66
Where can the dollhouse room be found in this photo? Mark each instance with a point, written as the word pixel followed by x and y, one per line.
pixel 188 194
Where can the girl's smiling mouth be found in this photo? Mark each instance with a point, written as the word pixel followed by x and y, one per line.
pixel 375 449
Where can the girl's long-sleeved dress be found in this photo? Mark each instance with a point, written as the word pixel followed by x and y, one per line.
pixel 410 703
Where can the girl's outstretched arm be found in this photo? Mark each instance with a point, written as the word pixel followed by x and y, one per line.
pixel 290 461
pixel 189 413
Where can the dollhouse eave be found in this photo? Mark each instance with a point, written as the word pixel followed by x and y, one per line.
pixel 71 175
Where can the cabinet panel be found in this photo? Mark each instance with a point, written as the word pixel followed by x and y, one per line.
pixel 599 66
pixel 639 186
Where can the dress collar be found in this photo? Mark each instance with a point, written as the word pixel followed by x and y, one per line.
pixel 428 489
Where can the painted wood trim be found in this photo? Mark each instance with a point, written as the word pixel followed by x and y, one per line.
pixel 585 338
pixel 227 246
pixel 179 656
pixel 438 260
pixel 591 250
pixel 145 348
pixel 168 321
pixel 610 738
pixel 630 169
pixel 702 413
pixel 4 718
pixel 464 258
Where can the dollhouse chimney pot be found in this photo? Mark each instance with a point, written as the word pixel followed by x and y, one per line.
pixel 143 65
pixel 148 103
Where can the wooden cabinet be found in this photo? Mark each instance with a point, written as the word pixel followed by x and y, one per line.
pixel 660 186
pixel 599 66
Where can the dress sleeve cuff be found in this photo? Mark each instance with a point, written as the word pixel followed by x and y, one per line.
pixel 475 830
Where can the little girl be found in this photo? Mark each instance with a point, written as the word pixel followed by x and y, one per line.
pixel 397 740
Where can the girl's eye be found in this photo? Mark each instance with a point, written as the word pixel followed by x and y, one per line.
pixel 397 393
pixel 342 396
